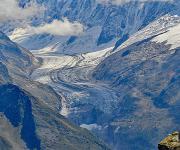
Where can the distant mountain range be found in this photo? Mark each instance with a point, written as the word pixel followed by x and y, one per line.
pixel 105 24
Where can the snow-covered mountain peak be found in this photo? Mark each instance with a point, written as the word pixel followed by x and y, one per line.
pixel 164 24
pixel 105 24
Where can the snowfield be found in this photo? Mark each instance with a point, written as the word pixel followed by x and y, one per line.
pixel 171 36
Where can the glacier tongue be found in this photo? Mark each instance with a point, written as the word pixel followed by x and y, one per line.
pixel 72 75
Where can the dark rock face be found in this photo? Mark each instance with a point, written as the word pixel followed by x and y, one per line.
pixel 162 147
pixel 16 106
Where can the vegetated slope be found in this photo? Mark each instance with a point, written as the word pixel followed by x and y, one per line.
pixel 29 111
pixel 145 73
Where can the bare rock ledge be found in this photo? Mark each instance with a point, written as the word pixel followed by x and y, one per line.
pixel 172 142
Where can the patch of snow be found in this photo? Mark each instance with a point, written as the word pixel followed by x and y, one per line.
pixel 91 126
pixel 95 58
pixel 172 36
pixel 64 111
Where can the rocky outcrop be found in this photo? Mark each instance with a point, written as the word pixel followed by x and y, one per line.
pixel 172 142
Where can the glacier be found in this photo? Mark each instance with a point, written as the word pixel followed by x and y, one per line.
pixel 120 77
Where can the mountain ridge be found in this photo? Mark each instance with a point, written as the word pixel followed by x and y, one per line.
pixel 105 24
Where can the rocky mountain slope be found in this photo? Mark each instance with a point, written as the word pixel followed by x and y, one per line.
pixel 29 111
pixel 119 78
pixel 145 73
